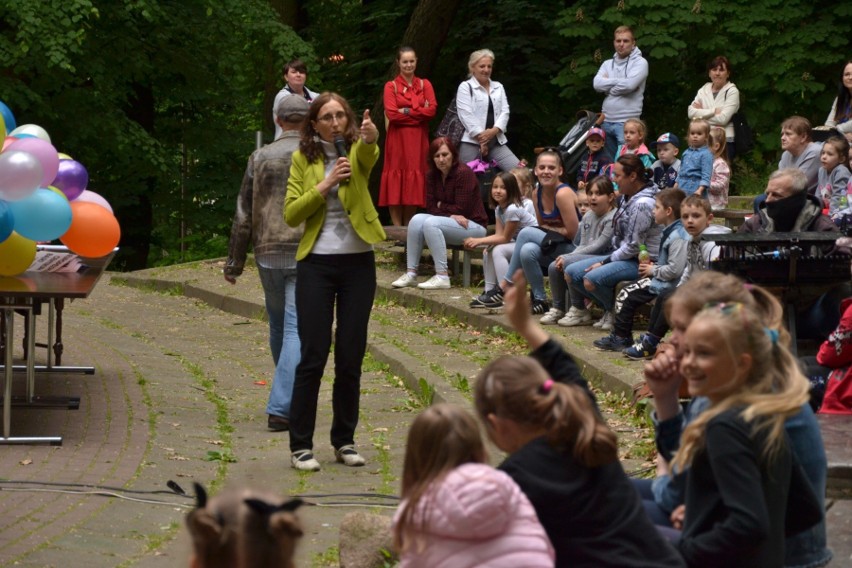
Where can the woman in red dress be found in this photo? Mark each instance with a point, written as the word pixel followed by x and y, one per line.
pixel 409 106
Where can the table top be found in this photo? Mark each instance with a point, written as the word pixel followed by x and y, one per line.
pixel 46 285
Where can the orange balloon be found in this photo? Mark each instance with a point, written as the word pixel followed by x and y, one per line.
pixel 94 231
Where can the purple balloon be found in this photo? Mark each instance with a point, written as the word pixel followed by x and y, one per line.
pixel 44 152
pixel 92 197
pixel 71 178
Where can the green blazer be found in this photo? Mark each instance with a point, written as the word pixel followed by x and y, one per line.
pixel 305 204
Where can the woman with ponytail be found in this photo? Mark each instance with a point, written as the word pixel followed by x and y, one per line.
pixel 562 454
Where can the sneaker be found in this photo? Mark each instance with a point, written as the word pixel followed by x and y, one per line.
pixel 605 323
pixel 435 283
pixel 552 316
pixel 575 317
pixel 478 301
pixel 494 298
pixel 303 460
pixel 540 307
pixel 404 281
pixel 644 348
pixel 348 455
pixel 613 343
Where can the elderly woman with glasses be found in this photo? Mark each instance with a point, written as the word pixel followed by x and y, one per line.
pixel 327 191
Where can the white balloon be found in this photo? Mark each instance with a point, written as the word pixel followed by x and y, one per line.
pixel 32 130
pixel 96 198
pixel 20 175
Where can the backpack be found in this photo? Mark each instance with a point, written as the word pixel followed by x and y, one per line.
pixel 743 136
pixel 451 126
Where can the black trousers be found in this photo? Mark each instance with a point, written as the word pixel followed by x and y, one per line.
pixel 347 282
pixel 632 297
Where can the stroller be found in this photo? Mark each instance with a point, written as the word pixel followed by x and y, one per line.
pixel 572 145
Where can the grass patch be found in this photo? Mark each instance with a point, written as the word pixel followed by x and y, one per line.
pixel 329 557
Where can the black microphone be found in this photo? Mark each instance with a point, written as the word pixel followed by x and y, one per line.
pixel 340 146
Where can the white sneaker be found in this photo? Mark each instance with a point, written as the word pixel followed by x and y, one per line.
pixel 404 281
pixel 576 317
pixel 605 323
pixel 348 455
pixel 552 316
pixel 304 460
pixel 435 283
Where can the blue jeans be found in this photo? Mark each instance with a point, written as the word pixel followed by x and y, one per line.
pixel 604 279
pixel 558 286
pixel 279 288
pixel 808 548
pixel 614 136
pixel 528 254
pixel 437 232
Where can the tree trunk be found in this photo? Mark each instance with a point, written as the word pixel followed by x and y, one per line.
pixel 426 33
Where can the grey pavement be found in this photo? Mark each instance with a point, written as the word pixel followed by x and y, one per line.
pixel 179 394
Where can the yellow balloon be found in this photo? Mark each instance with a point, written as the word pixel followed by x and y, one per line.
pixel 2 126
pixel 55 189
pixel 64 156
pixel 16 255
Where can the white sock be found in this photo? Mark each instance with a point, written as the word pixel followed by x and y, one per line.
pixel 412 273
pixel 443 276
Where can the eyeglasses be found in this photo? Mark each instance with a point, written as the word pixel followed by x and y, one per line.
pixel 329 118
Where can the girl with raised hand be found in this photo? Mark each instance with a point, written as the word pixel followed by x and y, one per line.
pixel 562 454
pixel 243 528
pixel 511 216
pixel 457 510
pixel 743 487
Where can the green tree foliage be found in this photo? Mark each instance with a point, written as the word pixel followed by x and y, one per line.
pixel 159 100
pixel 786 57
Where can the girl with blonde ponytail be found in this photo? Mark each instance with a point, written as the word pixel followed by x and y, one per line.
pixel 743 487
pixel 563 455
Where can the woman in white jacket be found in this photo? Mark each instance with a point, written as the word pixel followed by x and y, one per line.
pixel 718 101
pixel 484 110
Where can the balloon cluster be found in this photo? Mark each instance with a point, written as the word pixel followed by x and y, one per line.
pixel 43 197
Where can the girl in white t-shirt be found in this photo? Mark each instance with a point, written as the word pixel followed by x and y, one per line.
pixel 511 216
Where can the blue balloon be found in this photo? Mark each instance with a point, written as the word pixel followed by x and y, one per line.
pixel 7 220
pixel 8 118
pixel 42 216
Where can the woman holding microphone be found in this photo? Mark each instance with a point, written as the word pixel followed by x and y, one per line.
pixel 327 190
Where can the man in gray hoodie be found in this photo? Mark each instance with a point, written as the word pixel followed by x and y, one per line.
pixel 622 79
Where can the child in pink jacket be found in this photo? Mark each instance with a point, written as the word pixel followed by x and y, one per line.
pixel 457 511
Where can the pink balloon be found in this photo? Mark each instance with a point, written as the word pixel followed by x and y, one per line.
pixel 92 197
pixel 8 141
pixel 44 152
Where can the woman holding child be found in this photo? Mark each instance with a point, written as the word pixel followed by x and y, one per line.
pixel 718 101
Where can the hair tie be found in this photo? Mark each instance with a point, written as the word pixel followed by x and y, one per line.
pixel 546 386
pixel 772 334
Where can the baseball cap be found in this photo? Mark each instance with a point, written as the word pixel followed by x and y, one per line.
pixel 595 131
pixel 667 138
pixel 292 108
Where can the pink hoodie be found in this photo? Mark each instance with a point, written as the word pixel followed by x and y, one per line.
pixel 477 516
